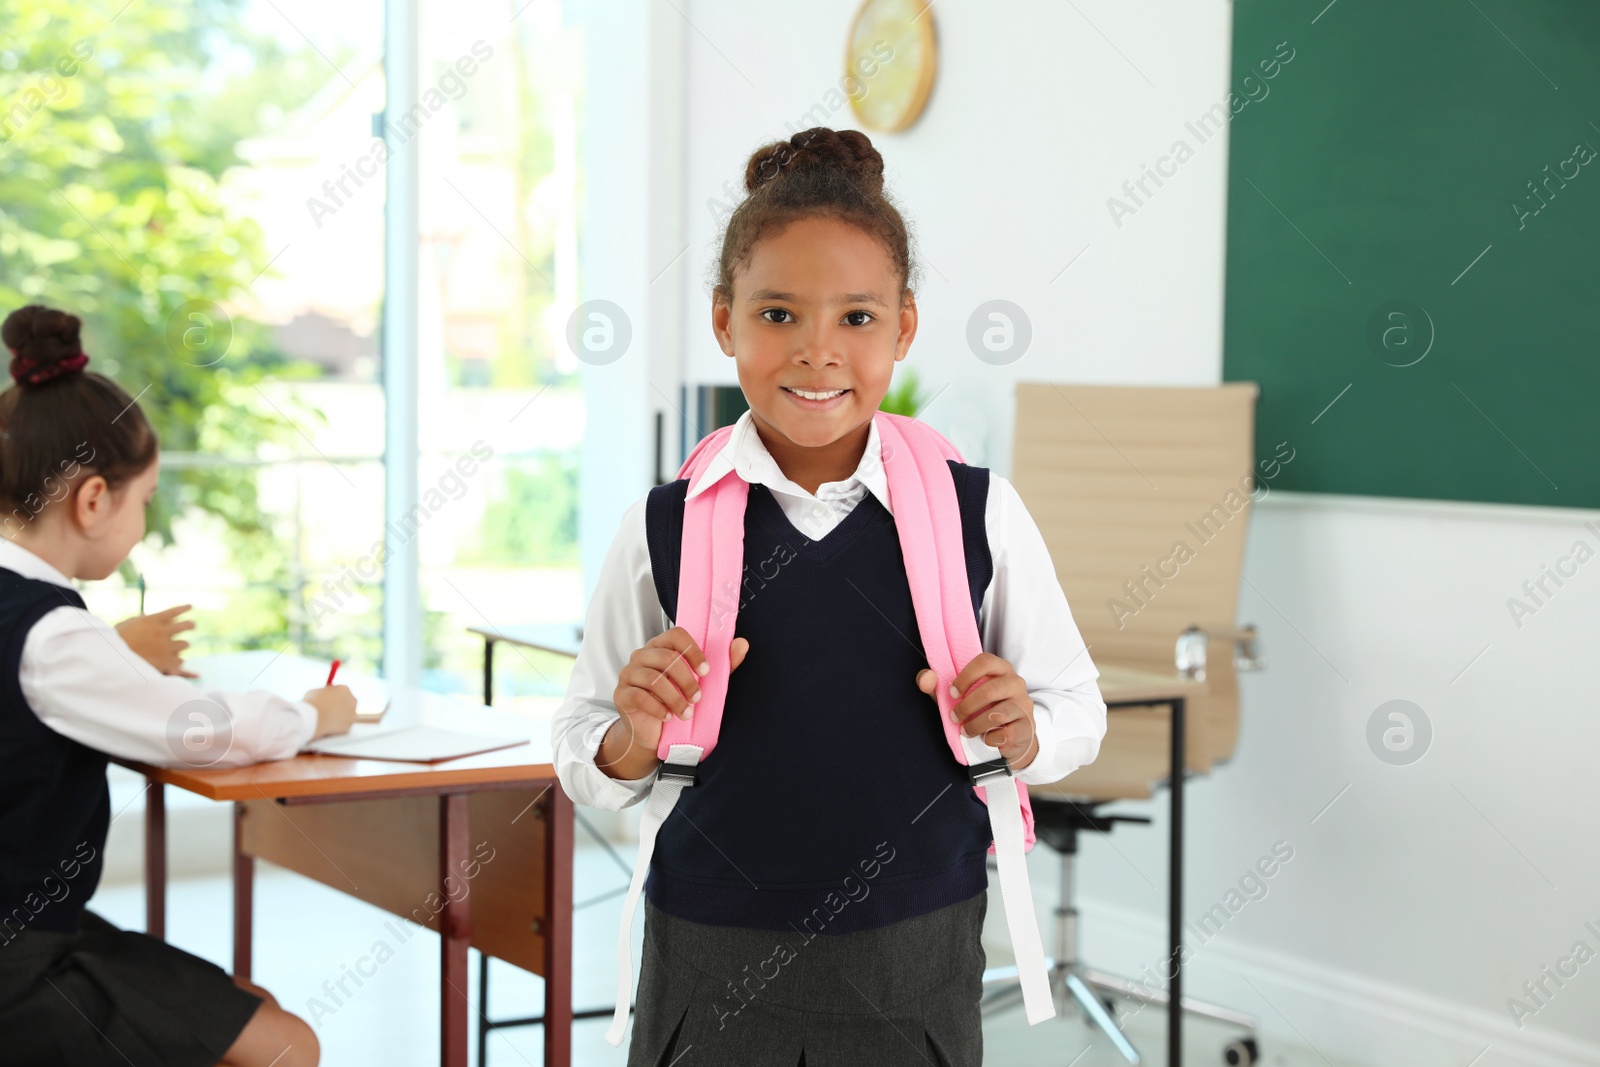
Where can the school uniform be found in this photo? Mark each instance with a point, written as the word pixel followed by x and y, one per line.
pixel 823 906
pixel 74 989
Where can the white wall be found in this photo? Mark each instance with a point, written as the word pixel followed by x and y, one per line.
pixel 1033 123
pixel 1425 895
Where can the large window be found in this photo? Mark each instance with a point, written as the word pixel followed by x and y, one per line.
pixel 501 411
pixel 204 183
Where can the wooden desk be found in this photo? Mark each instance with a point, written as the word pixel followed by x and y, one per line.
pixel 562 639
pixel 478 849
pixel 1140 762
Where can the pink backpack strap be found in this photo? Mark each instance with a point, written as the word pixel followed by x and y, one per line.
pixel 710 571
pixel 928 518
pixel 701 454
pixel 922 492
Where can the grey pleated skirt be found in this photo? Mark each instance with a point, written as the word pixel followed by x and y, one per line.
pixel 728 996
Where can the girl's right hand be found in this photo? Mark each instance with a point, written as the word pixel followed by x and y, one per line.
pixel 336 709
pixel 659 680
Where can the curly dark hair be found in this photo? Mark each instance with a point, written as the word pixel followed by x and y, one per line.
pixel 816 173
pixel 59 419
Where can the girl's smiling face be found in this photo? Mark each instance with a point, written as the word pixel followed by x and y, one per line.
pixel 817 308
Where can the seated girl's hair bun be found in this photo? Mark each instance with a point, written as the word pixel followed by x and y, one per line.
pixel 848 150
pixel 44 344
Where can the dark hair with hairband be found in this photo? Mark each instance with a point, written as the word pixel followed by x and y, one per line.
pixel 59 419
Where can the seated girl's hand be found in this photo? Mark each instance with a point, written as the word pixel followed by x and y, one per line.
pixel 336 709
pixel 154 638
pixel 992 701
pixel 660 680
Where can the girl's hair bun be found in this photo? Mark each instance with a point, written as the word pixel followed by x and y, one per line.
pixel 44 344
pixel 848 150
pixel 818 173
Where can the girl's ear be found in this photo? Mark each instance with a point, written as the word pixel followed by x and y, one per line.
pixel 908 325
pixel 90 503
pixel 721 320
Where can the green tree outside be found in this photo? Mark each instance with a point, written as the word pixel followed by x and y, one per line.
pixel 115 128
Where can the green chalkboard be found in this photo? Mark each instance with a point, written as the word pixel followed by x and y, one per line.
pixel 1413 251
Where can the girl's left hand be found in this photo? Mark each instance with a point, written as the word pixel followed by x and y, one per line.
pixel 992 701
pixel 155 638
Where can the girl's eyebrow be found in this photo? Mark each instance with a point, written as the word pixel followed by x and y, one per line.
pixel 842 298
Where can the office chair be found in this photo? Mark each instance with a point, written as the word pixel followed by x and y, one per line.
pixel 1116 477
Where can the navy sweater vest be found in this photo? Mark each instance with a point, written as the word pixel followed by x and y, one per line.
pixel 776 835
pixel 54 804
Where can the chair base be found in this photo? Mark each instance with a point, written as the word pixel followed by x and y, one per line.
pixel 1090 990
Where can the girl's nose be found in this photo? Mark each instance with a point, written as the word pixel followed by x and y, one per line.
pixel 819 352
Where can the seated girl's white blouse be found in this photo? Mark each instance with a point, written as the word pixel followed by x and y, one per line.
pixel 84 682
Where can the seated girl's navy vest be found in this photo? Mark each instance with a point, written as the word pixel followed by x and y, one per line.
pixel 54 804
pixel 776 835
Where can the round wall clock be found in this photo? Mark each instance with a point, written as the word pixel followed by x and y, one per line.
pixel 890 61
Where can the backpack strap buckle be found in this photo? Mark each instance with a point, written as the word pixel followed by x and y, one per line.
pixel 685 774
pixel 988 771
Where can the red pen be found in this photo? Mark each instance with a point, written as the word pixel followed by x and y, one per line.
pixel 331 672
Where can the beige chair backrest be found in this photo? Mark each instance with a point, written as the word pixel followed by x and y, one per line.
pixel 1143 496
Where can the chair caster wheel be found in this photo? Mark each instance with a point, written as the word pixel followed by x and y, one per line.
pixel 1241 1053
pixel 1110 1006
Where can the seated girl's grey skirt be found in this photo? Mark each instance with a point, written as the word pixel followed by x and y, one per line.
pixel 728 996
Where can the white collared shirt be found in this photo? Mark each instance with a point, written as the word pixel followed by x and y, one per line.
pixel 1024 619
pixel 84 682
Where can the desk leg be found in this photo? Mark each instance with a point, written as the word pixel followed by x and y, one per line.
pixel 557 925
pixel 1179 767
pixel 155 860
pixel 244 893
pixel 482 1022
pixel 455 930
pixel 488 671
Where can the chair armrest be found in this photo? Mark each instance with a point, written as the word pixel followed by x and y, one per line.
pixel 1189 651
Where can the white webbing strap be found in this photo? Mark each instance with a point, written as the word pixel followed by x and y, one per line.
pixel 1016 894
pixel 663 797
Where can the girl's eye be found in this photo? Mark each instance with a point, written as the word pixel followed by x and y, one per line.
pixel 774 311
pixel 867 317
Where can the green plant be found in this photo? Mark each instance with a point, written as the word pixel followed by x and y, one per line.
pixel 903 398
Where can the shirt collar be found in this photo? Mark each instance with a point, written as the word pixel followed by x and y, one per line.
pixel 13 557
pixel 745 454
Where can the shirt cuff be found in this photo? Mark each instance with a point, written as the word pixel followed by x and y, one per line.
pixel 602 791
pixel 308 723
pixel 586 783
pixel 1069 735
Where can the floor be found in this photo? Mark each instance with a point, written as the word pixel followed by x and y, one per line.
pixel 310 938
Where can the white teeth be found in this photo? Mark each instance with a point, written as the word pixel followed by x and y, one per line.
pixel 818 396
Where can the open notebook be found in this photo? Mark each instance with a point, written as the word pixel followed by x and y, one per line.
pixel 409 744
pixel 292 676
